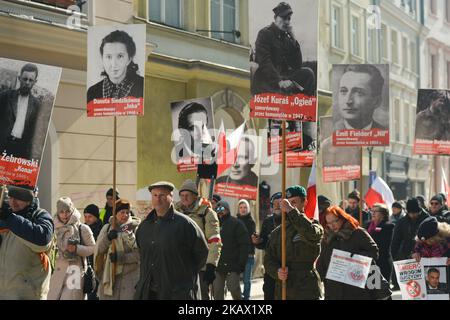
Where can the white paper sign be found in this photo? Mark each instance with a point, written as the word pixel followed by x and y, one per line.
pixel 348 269
pixel 410 277
pixel 435 270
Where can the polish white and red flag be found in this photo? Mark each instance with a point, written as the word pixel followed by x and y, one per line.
pixel 379 192
pixel 445 187
pixel 312 206
pixel 228 147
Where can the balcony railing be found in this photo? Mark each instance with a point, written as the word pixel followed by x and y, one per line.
pixel 70 13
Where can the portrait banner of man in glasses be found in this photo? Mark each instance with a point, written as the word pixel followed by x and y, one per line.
pixel 432 134
pixel 283 59
pixel 27 96
pixel 193 133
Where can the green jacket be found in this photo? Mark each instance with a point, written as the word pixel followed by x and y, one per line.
pixel 206 218
pixel 303 239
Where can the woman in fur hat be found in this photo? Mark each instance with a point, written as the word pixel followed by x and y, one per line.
pixel 121 230
pixel 75 242
pixel 344 233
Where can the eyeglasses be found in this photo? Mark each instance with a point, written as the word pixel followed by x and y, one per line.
pixel 333 223
pixel 434 203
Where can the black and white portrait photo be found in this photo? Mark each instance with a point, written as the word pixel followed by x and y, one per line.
pixel 433 115
pixel 243 171
pixel 283 42
pixel 360 97
pixel 193 127
pixel 116 69
pixel 27 96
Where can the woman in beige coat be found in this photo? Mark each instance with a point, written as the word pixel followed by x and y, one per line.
pixel 125 257
pixel 67 280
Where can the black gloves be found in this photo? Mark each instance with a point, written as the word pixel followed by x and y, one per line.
pixel 4 213
pixel 112 234
pixel 210 274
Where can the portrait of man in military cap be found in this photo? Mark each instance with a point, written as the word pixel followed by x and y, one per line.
pixel 278 61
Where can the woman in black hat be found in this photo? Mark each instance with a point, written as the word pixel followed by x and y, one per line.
pixel 433 240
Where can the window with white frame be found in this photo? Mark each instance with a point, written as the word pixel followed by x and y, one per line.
pixel 434 71
pixel 405 53
pixel 397 119
pixel 394 46
pixel 224 17
pixel 384 40
pixel 447 10
pixel 405 123
pixel 167 12
pixel 433 6
pixel 336 37
pixel 372 45
pixel 355 35
pixel 448 75
pixel 413 53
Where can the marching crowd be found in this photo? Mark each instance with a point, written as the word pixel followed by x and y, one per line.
pixel 196 249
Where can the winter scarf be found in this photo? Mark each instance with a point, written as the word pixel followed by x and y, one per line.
pixel 126 238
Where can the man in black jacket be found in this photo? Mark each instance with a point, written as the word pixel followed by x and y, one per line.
pixel 406 230
pixel 172 249
pixel 261 240
pixel 234 254
pixel 19 110
pixel 437 209
pixel 354 199
pixel 279 58
pixel 246 217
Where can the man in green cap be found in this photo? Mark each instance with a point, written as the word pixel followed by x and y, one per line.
pixel 303 238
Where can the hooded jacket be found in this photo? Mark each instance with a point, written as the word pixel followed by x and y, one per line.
pixel 65 262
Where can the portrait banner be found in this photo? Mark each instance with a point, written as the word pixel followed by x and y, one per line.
pixel 27 98
pixel 410 277
pixel 116 70
pixel 297 155
pixel 349 269
pixel 432 134
pixel 241 179
pixel 360 105
pixel 436 278
pixel 338 163
pixel 283 59
pixel 193 133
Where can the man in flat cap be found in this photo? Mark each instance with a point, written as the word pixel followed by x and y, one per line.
pixel 303 237
pixel 26 233
pixel 200 210
pixel 279 58
pixel 172 248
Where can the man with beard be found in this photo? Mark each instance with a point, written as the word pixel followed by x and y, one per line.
pixel 18 114
pixel 260 240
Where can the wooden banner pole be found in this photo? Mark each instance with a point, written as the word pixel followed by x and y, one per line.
pixel 283 214
pixel 113 245
pixel 361 190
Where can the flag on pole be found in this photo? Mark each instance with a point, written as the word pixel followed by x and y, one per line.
pixel 379 192
pixel 445 187
pixel 312 207
pixel 227 156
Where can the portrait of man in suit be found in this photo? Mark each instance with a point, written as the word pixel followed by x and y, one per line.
pixel 359 93
pixel 18 114
pixel 433 284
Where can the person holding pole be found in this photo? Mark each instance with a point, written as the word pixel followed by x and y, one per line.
pixel 200 210
pixel 303 238
pixel 118 283
pixel 26 233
